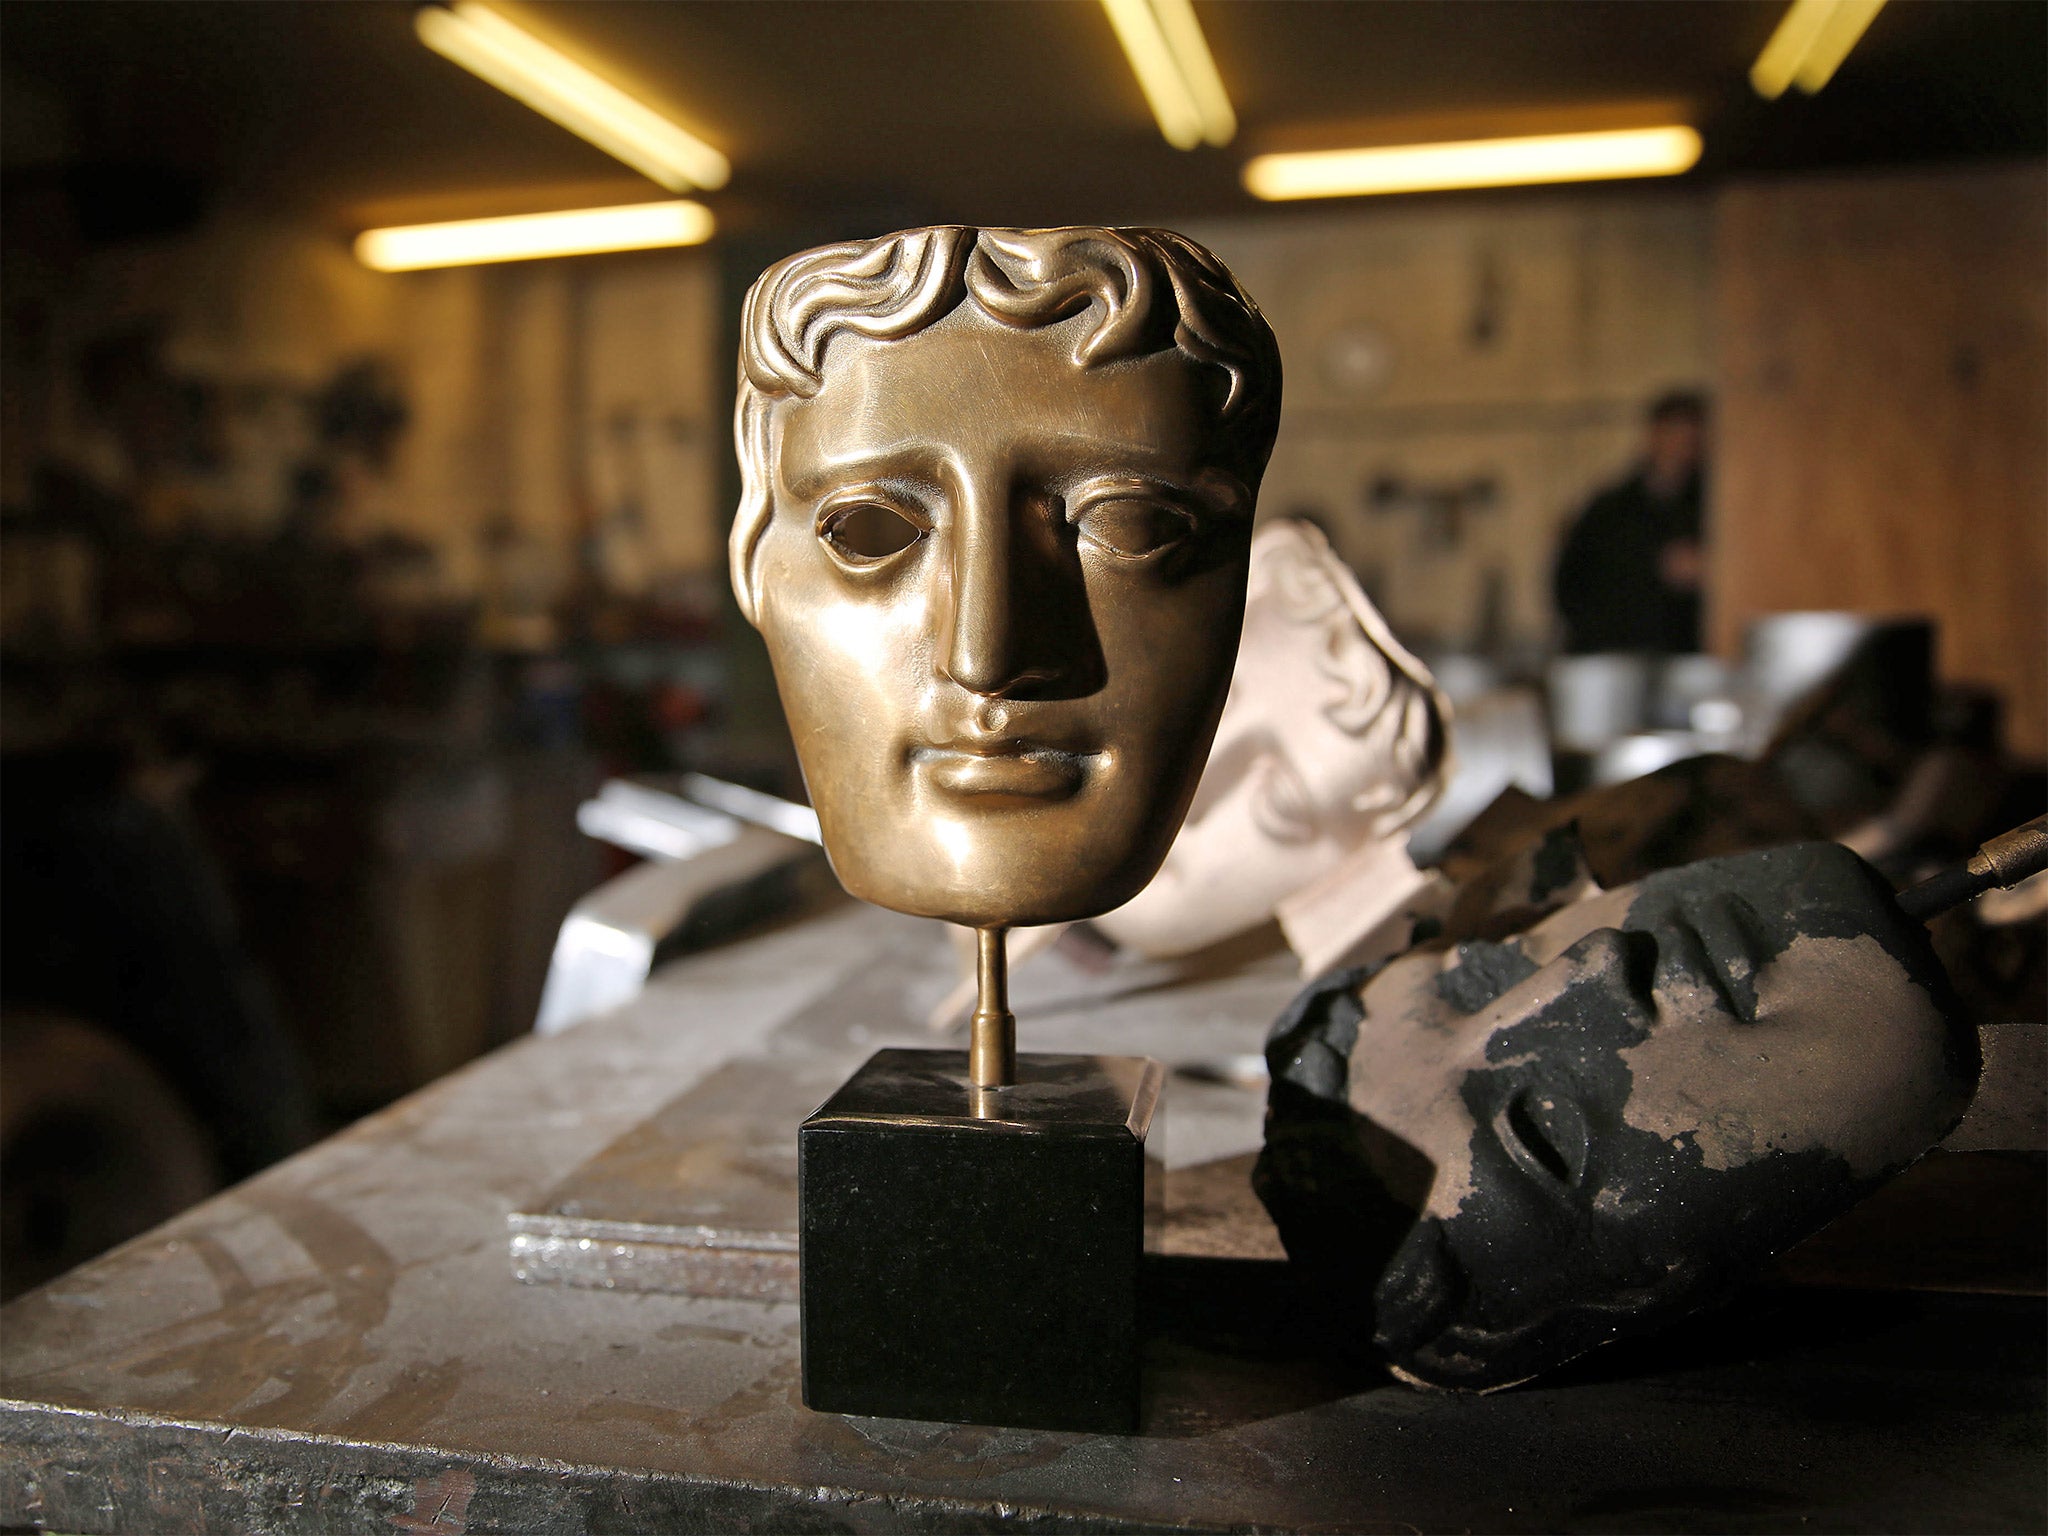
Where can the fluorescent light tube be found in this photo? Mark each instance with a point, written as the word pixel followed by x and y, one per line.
pixel 577 232
pixel 1477 163
pixel 1812 39
pixel 1197 69
pixel 1838 34
pixel 1164 43
pixel 521 65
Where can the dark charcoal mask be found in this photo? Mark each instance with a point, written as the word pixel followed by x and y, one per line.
pixel 1622 1112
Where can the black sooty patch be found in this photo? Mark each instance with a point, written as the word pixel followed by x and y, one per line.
pixel 1560 862
pixel 1484 970
pixel 1339 1209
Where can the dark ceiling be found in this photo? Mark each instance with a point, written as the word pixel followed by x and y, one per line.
pixel 856 112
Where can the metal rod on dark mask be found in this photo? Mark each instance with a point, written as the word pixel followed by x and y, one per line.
pixel 2004 861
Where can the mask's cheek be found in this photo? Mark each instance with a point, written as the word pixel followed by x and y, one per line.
pixel 1847 1056
pixel 859 634
pixel 1440 1136
pixel 1211 859
pixel 1414 1054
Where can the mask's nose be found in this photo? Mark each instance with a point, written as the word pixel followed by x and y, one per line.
pixel 1017 593
pixel 981 655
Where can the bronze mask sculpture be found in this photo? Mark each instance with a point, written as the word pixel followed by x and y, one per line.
pixel 997 499
pixel 1495 1155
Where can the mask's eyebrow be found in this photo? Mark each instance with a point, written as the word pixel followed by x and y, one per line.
pixel 1481 971
pixel 903 465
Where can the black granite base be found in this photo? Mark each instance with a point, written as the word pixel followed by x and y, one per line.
pixel 973 1255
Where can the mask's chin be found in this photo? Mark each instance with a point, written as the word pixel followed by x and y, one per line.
pixel 1022 876
pixel 1419 1312
pixel 1426 1328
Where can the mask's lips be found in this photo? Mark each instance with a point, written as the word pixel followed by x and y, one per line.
pixel 1015 769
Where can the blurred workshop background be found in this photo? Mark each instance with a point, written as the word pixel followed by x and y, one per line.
pixel 335 573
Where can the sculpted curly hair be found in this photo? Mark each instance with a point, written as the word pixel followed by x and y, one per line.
pixel 1146 290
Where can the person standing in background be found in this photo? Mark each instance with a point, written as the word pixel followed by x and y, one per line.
pixel 1629 574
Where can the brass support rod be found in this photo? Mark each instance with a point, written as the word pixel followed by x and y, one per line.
pixel 2001 863
pixel 992 1045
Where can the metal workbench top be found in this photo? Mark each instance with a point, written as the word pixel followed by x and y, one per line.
pixel 339 1344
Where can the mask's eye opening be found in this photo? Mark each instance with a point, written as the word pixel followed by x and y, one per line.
pixel 1638 959
pixel 1282 807
pixel 870 531
pixel 1545 1132
pixel 1132 527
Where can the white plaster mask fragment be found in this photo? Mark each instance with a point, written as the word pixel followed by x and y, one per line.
pixel 1332 736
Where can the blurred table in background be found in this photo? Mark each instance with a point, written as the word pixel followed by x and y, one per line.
pixel 339 1344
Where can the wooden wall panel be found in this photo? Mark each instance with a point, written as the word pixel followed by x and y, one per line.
pixel 1882 355
pixel 654 424
pixel 552 394
pixel 1439 344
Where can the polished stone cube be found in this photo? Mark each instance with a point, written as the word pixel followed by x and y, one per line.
pixel 972 1254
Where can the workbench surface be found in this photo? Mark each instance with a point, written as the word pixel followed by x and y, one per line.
pixel 339 1344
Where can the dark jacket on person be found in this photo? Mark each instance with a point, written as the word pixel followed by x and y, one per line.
pixel 1609 588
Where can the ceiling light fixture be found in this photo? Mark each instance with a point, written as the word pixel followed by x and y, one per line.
pixel 1546 157
pixel 1812 39
pixel 1175 70
pixel 557 87
pixel 577 232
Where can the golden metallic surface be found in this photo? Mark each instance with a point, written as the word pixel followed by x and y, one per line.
pixel 992 1036
pixel 998 494
pixel 2014 856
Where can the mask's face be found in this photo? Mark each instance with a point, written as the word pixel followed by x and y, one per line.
pixel 1328 739
pixel 1638 1100
pixel 1002 594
